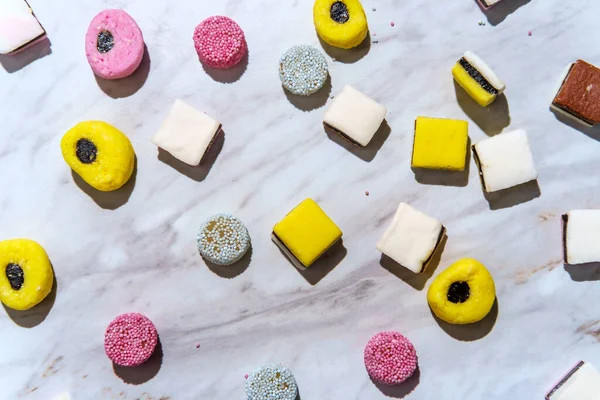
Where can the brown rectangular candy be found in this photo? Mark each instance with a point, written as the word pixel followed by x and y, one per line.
pixel 579 94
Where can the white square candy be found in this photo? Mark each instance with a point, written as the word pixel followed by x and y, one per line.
pixel 355 116
pixel 412 238
pixel 18 26
pixel 581 233
pixel 186 133
pixel 505 161
pixel 580 383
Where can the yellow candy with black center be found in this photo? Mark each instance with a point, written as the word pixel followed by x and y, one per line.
pixel 462 294
pixel 340 23
pixel 26 277
pixel 100 154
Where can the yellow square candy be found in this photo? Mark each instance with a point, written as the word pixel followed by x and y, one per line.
pixel 306 233
pixel 440 144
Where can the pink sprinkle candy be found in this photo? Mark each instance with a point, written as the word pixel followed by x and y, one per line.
pixel 130 339
pixel 197 345
pixel 529 33
pixel 392 23
pixel 220 42
pixel 390 358
pixel 246 376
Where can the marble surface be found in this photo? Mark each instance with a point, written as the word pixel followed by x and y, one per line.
pixel 135 250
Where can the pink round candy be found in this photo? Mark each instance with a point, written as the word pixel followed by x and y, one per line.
pixel 220 42
pixel 390 358
pixel 130 339
pixel 120 57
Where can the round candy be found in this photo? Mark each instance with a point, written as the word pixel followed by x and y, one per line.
pixel 390 358
pixel 271 382
pixel 130 339
pixel 114 45
pixel 303 70
pixel 223 239
pixel 27 277
pixel 101 154
pixel 220 42
pixel 340 23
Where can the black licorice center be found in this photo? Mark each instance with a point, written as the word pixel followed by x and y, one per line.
pixel 339 12
pixel 86 151
pixel 106 42
pixel 15 276
pixel 477 76
pixel 459 292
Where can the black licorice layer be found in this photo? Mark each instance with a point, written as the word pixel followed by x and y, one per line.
pixel 105 42
pixel 339 12
pixel 477 76
pixel 565 379
pixel 458 292
pixel 86 151
pixel 15 276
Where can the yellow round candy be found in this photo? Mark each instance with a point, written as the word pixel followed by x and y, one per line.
pixel 462 294
pixel 100 153
pixel 26 275
pixel 341 24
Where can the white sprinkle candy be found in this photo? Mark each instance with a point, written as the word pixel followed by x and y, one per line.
pixel 271 382
pixel 303 70
pixel 223 239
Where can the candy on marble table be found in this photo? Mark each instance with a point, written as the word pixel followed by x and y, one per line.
pixel 19 28
pixel 305 233
pixel 505 161
pixel 303 70
pixel 187 133
pixel 28 275
pixel 354 116
pixel 464 293
pixel 223 239
pixel 582 382
pixel 578 94
pixel 581 230
pixel 390 358
pixel 412 238
pixel 340 23
pixel 440 144
pixel 100 154
pixel 488 3
pixel 271 382
pixel 130 339
pixel 477 79
pixel 220 42
pixel 114 45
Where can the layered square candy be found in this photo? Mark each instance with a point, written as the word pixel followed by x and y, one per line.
pixel 582 382
pixel 488 3
pixel 505 161
pixel 412 238
pixel 440 144
pixel 354 116
pixel 19 28
pixel 305 233
pixel 578 96
pixel 581 230
pixel 477 79
pixel 187 133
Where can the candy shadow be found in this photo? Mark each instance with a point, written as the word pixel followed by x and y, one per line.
pixel 36 315
pixel 498 13
pixel 231 271
pixel 593 132
pixel 513 196
pixel 368 152
pixel 584 272
pixel 416 280
pixel 491 119
pixel 125 87
pixel 347 56
pixel 471 332
pixel 445 178
pixel 196 173
pixel 312 102
pixel 16 62
pixel 142 373
pixel 324 265
pixel 228 75
pixel 402 390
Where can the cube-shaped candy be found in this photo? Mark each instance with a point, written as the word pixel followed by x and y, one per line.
pixel 578 96
pixel 305 234
pixel 187 133
pixel 488 3
pixel 505 161
pixel 581 383
pixel 478 79
pixel 440 144
pixel 19 28
pixel 354 116
pixel 412 238
pixel 581 230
